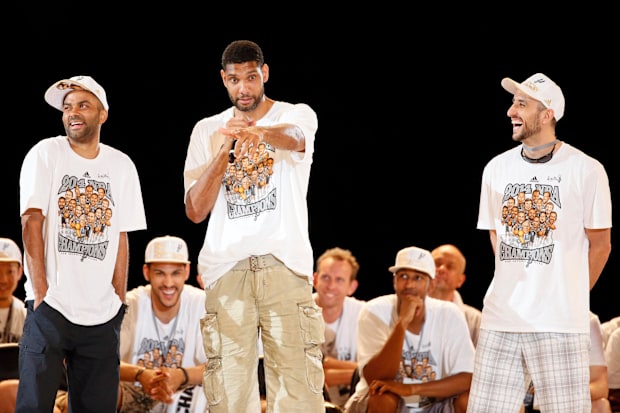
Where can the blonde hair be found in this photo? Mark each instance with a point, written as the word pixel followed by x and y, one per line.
pixel 341 254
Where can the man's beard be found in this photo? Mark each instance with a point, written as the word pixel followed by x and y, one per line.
pixel 257 100
pixel 527 131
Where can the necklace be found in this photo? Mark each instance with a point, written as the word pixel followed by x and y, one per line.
pixel 7 326
pixel 543 159
pixel 170 335
pixel 540 147
pixel 409 346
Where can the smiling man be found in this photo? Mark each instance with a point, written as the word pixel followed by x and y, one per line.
pixel 535 316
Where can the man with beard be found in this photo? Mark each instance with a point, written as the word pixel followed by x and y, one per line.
pixel 536 312
pixel 256 261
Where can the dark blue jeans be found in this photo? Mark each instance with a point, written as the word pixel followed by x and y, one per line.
pixel 91 355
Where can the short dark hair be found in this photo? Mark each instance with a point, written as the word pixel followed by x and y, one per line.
pixel 241 51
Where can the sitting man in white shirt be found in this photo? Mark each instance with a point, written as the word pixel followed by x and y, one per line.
pixel 414 351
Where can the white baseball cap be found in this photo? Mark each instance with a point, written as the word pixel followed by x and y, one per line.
pixel 9 251
pixel 541 88
pixel 166 249
pixel 56 93
pixel 414 258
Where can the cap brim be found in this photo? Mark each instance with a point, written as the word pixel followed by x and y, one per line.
pixel 394 269
pixel 55 97
pixel 510 85
pixel 168 261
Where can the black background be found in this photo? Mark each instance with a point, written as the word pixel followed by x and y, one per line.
pixel 409 104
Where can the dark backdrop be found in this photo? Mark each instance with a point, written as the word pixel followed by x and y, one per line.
pixel 410 109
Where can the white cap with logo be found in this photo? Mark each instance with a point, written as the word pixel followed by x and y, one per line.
pixel 414 258
pixel 166 249
pixel 541 88
pixel 56 93
pixel 9 251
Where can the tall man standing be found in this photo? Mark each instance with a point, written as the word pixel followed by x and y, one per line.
pixel 256 261
pixel 535 317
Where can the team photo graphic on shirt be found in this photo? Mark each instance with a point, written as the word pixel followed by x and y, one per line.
pixel 85 212
pixel 248 184
pixel 417 367
pixel 529 219
pixel 153 353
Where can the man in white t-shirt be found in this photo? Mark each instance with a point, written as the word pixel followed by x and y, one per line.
pixel 612 356
pixel 162 357
pixel 76 251
pixel 535 311
pixel 414 351
pixel 256 260
pixel 335 281
pixel 162 325
pixel 12 314
pixel 450 267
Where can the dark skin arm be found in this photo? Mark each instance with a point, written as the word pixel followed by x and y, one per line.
pixel 384 365
pixel 121 268
pixel 32 236
pixel 201 197
pixel 442 388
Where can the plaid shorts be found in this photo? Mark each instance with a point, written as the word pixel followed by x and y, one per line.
pixel 506 362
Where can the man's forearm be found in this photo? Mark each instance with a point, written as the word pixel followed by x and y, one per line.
pixel 121 268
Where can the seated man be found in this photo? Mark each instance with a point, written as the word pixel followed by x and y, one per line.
pixel 598 373
pixel 335 281
pixel 608 327
pixel 414 351
pixel 12 312
pixel 450 268
pixel 162 356
pixel 612 357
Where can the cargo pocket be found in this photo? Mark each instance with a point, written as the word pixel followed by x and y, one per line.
pixel 213 380
pixel 313 330
pixel 31 355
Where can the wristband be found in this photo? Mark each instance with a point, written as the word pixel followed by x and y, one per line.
pixel 138 373
pixel 186 377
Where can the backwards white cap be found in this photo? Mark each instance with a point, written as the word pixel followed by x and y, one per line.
pixel 56 93
pixel 166 249
pixel 541 88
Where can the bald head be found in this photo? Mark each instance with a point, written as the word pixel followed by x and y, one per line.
pixel 450 271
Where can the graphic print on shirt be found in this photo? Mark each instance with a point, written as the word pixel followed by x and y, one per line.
pixel 529 218
pixel 153 353
pixel 417 366
pixel 248 184
pixel 85 214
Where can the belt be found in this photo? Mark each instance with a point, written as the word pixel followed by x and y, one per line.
pixel 258 262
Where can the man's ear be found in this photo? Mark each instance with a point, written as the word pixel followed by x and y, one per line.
pixel 431 286
pixel 103 116
pixel 353 287
pixel 265 70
